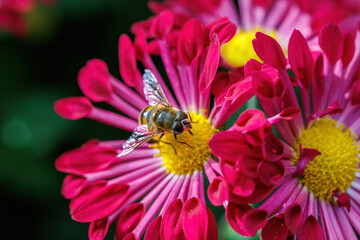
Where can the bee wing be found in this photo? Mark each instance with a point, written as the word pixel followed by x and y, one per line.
pixel 153 91
pixel 140 136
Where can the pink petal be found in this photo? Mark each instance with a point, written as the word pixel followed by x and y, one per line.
pixel 311 229
pixel 127 60
pixel 301 59
pixel 275 229
pixel 249 165
pixel 250 120
pixel 86 159
pixel 293 216
pixel 260 192
pixel 243 185
pixel 195 219
pixel 153 231
pixel 269 50
pixel 218 191
pixel 252 66
pixel 331 42
pixel 355 93
pixel 130 236
pixel 306 156
pixel 162 24
pixel 171 225
pixel 94 83
pixel 100 204
pixel 191 41
pixel 272 148
pixel 211 64
pixel 98 229
pixel 234 214
pixel 263 85
pixel 129 219
pixel 334 108
pixel 73 108
pixel 349 49
pixel 72 186
pixel 212 233
pixel 253 220
pixel 271 173
pixel 223 141
pixel 223 28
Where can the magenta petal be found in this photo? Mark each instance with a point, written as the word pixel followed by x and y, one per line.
pixel 251 120
pixel 223 141
pixel 269 50
pixel 311 229
pixel 195 219
pixel 254 220
pixel 95 84
pixel 334 108
pixel 89 190
pixel 72 186
pixel 127 60
pixel 162 24
pixel 153 231
pixel 211 64
pixel 263 85
pixel 98 229
pixel 275 229
pixel 331 42
pixel 212 233
pixel 306 155
pixel 223 28
pixel 191 41
pixel 171 225
pixel 129 219
pixel 271 173
pixel 349 49
pixel 130 236
pixel 355 93
pixel 273 147
pixel 293 216
pixel 301 59
pixel 100 204
pixel 234 213
pixel 243 185
pixel 251 66
pixel 85 159
pixel 218 191
pixel 73 108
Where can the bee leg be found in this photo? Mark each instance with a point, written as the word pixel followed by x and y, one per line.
pixel 190 132
pixel 169 144
pixel 191 119
pixel 182 142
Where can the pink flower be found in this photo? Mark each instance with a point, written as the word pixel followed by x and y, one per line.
pixel 12 13
pixel 312 165
pixel 275 18
pixel 153 189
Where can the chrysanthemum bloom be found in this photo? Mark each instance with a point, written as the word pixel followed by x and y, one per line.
pixel 313 164
pixel 275 18
pixel 12 13
pixel 153 187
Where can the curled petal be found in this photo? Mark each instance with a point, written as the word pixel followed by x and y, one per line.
pixel 263 85
pixel 94 83
pixel 301 59
pixel 73 108
pixel 153 231
pixel 334 48
pixel 223 28
pixel 271 173
pixel 86 159
pixel 269 50
pixel 253 220
pixel 72 186
pixel 211 64
pixel 129 219
pixel 243 185
pixel 332 109
pixel 99 204
pixel 195 219
pixel 293 216
pixel 273 147
pixel 306 156
pixel 252 66
pixel 275 229
pixel 349 49
pixel 218 191
pixel 311 229
pixel 171 224
pixel 212 233
pixel 162 24
pixel 98 229
pixel 191 41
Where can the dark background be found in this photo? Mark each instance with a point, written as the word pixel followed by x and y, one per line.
pixel 35 71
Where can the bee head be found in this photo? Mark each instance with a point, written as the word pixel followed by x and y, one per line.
pixel 181 123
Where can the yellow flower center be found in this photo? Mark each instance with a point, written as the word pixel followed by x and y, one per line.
pixel 187 159
pixel 239 49
pixel 335 168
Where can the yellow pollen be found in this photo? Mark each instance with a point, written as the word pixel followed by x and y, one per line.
pixel 239 49
pixel 187 160
pixel 335 168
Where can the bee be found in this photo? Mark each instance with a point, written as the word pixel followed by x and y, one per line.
pixel 157 119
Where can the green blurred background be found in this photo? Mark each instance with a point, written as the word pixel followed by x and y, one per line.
pixel 35 71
